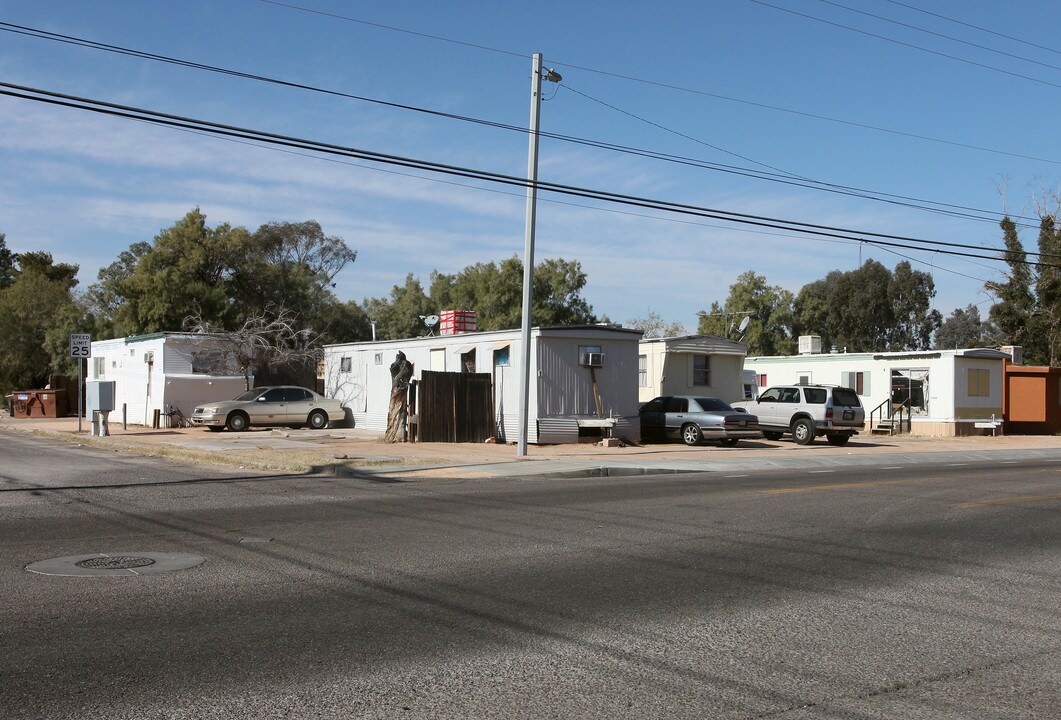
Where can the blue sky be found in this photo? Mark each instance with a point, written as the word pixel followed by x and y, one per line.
pixel 736 82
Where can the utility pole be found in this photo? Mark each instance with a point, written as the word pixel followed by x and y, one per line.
pixel 528 247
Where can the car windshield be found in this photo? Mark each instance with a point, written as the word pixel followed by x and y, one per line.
pixel 709 404
pixel 251 394
pixel 845 397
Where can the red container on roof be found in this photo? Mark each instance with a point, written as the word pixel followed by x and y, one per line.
pixel 452 322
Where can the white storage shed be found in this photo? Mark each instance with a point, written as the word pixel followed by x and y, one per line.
pixel 564 362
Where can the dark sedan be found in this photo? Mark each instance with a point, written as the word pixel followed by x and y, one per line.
pixel 695 419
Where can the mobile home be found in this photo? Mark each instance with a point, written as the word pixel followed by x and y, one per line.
pixel 161 371
pixel 945 392
pixel 572 368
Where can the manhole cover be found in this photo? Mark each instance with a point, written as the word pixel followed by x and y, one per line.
pixel 121 562
pixel 126 564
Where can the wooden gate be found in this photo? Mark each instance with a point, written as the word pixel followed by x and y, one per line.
pixel 454 407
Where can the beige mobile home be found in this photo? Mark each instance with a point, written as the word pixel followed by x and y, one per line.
pixel 690 365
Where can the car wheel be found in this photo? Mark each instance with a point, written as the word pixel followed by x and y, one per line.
pixel 214 428
pixel 237 422
pixel 317 419
pixel 803 432
pixel 728 442
pixel 691 434
pixel 837 439
pixel 772 435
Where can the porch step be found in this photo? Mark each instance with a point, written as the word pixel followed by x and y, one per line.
pixel 884 427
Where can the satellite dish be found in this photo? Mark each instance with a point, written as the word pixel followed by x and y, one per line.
pixel 744 324
pixel 431 321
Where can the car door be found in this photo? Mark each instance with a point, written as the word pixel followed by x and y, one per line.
pixel 674 413
pixel 766 407
pixel 652 419
pixel 270 408
pixel 299 403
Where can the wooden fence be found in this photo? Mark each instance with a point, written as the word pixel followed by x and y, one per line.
pixel 454 407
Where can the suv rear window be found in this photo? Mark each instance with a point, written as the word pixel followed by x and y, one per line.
pixel 845 397
pixel 815 395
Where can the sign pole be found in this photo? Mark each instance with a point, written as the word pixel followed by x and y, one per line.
pixel 80 348
pixel 80 392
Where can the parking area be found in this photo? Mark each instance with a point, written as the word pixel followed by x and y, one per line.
pixel 351 448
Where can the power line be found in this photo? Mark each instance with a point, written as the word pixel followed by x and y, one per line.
pixel 940 35
pixel 912 46
pixel 975 27
pixel 678 88
pixel 784 177
pixel 170 120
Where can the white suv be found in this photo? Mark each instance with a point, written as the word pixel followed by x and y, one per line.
pixel 808 411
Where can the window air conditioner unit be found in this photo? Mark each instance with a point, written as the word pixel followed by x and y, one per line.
pixel 593 360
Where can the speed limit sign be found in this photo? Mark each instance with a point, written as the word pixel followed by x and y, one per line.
pixel 80 345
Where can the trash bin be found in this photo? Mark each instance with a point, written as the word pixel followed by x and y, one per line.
pixel 38 403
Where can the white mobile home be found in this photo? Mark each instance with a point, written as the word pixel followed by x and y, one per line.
pixel 161 371
pixel 947 392
pixel 690 365
pixel 564 363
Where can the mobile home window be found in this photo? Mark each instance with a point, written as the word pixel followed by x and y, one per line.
pixel 501 357
pixel 701 370
pixel 205 362
pixel 857 381
pixel 346 364
pixel 468 361
pixel 99 366
pixel 642 370
pixel 979 382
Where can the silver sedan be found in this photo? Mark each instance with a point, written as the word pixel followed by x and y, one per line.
pixel 286 405
pixel 695 419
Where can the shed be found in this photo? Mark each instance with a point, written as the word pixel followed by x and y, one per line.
pixel 565 360
pixel 947 391
pixel 690 365
pixel 1033 399
pixel 162 371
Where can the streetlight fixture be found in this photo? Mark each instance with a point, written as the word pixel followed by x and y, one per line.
pixel 528 245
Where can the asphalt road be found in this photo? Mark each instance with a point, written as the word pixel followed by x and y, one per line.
pixel 927 591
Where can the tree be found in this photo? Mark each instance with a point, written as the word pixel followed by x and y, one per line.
pixel 1048 288
pixel 811 308
pixel 654 326
pixel 400 316
pixel 288 265
pixel 910 292
pixel 963 329
pixel 7 264
pixel 869 309
pixel 495 292
pixel 769 309
pixel 186 271
pixel 261 342
pixel 36 312
pixel 224 275
pixel 1014 311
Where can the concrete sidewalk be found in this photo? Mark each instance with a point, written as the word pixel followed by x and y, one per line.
pixel 360 452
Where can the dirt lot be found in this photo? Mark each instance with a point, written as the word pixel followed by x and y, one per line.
pixel 306 450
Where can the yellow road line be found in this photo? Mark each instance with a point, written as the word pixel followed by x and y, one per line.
pixel 1006 501
pixel 836 486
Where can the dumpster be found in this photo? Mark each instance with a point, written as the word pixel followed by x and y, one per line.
pixel 38 403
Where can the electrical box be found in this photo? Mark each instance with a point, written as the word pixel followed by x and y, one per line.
pixel 99 395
